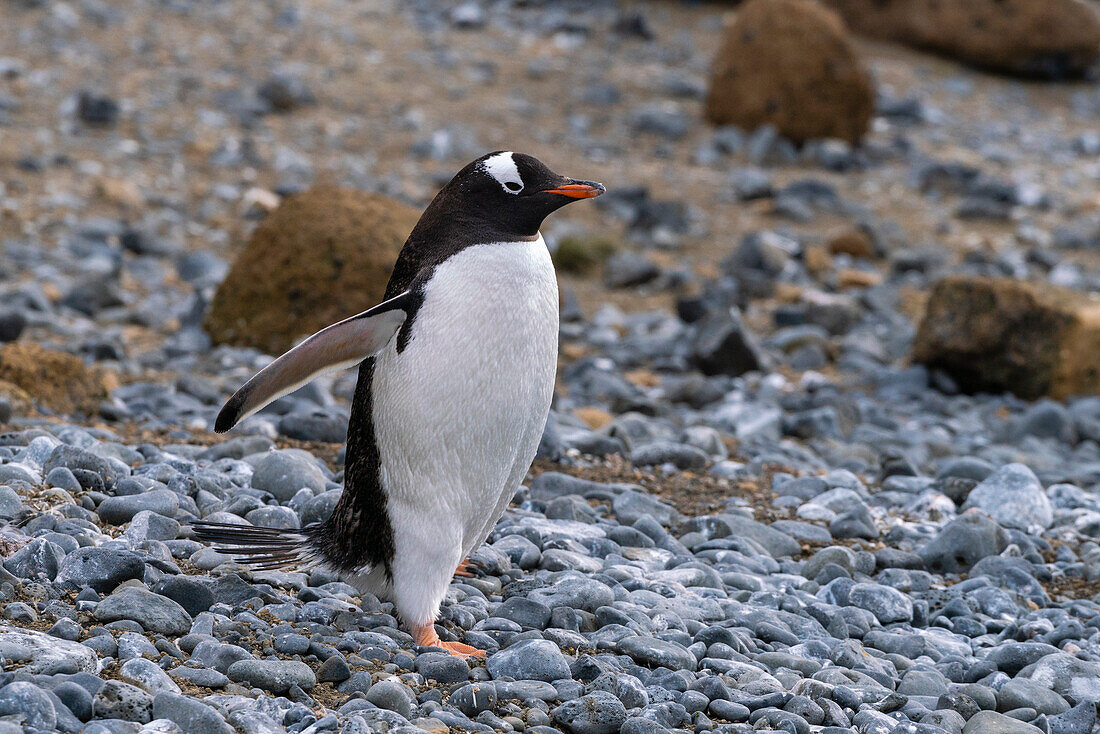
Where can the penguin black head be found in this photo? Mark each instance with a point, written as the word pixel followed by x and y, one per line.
pixel 513 192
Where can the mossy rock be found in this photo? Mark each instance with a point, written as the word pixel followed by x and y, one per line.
pixel 790 63
pixel 320 256
pixel 582 255
pixel 997 334
pixel 52 379
pixel 1041 39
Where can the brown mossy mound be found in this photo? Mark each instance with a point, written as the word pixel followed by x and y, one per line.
pixel 998 335
pixel 581 255
pixel 319 257
pixel 790 63
pixel 55 380
pixel 1043 39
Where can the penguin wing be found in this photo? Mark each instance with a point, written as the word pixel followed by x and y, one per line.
pixel 344 344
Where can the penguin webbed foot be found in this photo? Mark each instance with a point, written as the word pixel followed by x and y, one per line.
pixel 469 569
pixel 426 636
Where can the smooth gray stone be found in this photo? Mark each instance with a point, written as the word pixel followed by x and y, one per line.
pixel 276 676
pixel 155 613
pixel 190 715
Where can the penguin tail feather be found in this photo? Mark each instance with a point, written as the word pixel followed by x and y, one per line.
pixel 262 548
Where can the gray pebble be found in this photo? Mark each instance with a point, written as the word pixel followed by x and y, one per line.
pixel 596 713
pixel 153 612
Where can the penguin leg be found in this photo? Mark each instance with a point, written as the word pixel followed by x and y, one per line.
pixel 425 557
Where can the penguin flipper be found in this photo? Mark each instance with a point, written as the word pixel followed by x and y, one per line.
pixel 342 345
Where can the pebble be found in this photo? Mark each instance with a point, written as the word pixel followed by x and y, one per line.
pixel 529 660
pixel 276 676
pixel 391 696
pixel 29 704
pixel 42 654
pixel 118 700
pixel 596 713
pixel 1013 496
pixel 658 653
pixel 119 510
pixel 991 722
pixel 190 715
pixel 153 612
pixel 283 474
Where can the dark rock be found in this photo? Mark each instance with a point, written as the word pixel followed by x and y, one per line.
pixel 962 543
pixel 285 92
pixel 12 324
pixel 96 109
pixel 723 346
pixel 99 568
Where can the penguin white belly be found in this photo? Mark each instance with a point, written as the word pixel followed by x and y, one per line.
pixel 458 413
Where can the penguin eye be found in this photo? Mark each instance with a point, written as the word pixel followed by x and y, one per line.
pixel 512 186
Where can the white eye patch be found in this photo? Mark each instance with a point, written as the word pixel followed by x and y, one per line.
pixel 502 167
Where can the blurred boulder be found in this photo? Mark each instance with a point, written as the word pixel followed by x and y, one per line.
pixel 321 256
pixel 996 335
pixel 96 109
pixel 285 91
pixel 790 63
pixel 723 346
pixel 1044 39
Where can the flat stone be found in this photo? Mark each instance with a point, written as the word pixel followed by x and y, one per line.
pixel 658 653
pixel 153 612
pixel 1020 693
pixel 119 510
pixel 190 715
pixel 200 677
pixel 100 568
pixel 597 713
pixel 442 667
pixel 962 543
pixel 146 674
pixel 529 660
pixel 885 602
pixel 218 656
pixel 118 700
pixel 147 525
pixel 1066 675
pixel 1013 497
pixel 38 559
pixel 276 676
pixel 283 474
pixel 391 696
pixel 990 722
pixel 28 703
pixel 42 654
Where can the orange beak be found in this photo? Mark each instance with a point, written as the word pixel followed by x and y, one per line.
pixel 578 189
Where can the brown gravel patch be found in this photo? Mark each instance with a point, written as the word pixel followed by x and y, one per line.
pixel 690 493
pixel 1066 588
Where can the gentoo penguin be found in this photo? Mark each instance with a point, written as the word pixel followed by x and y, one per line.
pixel 456 374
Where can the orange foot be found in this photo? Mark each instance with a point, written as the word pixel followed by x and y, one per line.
pixel 463 569
pixel 426 636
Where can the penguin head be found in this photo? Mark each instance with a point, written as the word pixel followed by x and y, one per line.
pixel 515 191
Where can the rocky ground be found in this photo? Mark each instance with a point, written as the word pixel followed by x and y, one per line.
pixel 765 519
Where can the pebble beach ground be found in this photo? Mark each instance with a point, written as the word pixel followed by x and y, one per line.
pixel 774 521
